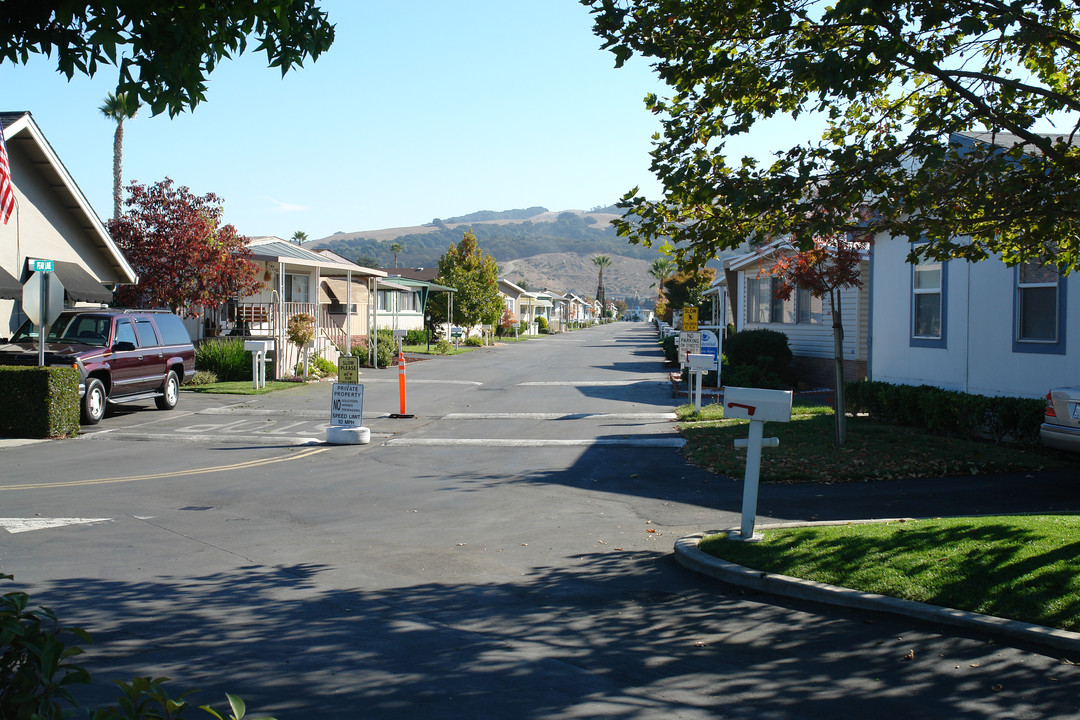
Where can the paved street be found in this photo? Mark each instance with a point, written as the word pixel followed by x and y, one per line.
pixel 505 553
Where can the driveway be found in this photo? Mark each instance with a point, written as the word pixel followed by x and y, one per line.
pixel 505 553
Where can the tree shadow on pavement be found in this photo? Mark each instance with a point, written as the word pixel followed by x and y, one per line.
pixel 610 634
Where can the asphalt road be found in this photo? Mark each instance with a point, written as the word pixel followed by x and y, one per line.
pixel 505 553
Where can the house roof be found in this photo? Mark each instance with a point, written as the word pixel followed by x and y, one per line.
pixel 425 274
pixel 20 131
pixel 516 288
pixel 331 255
pixel 275 249
pixel 415 283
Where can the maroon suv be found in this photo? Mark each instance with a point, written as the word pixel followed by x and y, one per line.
pixel 121 355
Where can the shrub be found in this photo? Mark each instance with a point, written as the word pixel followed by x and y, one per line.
pixel 542 323
pixel 474 342
pixel 948 412
pixel 763 348
pixel 416 337
pixel 203 377
pixel 225 357
pixel 39 402
pixel 752 376
pixel 443 347
pixel 671 353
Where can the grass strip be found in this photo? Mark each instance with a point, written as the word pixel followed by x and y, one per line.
pixel 1016 567
pixel 873 451
pixel 243 387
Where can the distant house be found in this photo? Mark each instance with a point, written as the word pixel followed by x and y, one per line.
pixel 52 220
pixel 982 327
pixel 295 280
pixel 404 296
pixel 746 297
pixel 511 297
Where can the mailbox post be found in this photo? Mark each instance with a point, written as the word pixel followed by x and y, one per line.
pixel 758 406
pixel 258 350
pixel 699 365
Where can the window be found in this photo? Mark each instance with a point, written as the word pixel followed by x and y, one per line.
pixel 759 300
pixel 296 288
pixel 408 302
pixel 383 300
pixel 1039 325
pixel 926 301
pixel 124 332
pixel 1036 303
pixel 145 330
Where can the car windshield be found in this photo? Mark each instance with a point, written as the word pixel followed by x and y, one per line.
pixel 77 329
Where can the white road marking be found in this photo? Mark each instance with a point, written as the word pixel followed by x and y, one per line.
pixel 665 442
pixel 561 416
pixel 592 383
pixel 19 525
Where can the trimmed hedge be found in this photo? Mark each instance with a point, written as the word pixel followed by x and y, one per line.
pixel 949 412
pixel 225 357
pixel 37 402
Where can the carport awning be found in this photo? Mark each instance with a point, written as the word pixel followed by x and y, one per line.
pixel 10 288
pixel 79 284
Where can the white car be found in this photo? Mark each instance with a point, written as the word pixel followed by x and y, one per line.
pixel 1061 423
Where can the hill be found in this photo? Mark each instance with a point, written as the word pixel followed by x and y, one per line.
pixel 544 249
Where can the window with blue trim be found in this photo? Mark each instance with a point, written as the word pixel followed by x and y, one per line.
pixel 1039 324
pixel 928 303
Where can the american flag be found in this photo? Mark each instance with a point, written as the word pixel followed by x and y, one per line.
pixel 7 190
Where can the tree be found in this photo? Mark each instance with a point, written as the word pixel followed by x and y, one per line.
pixel 299 237
pixel 119 108
pixel 163 50
pixel 185 258
pixel 661 269
pixel 396 247
pixel 832 264
pixel 686 288
pixel 475 277
pixel 895 81
pixel 601 261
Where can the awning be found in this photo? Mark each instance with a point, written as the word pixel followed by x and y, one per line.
pixel 79 284
pixel 10 288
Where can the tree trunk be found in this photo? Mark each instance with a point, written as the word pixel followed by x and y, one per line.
pixel 838 361
pixel 118 143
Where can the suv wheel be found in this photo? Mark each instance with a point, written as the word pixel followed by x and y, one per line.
pixel 93 405
pixel 170 392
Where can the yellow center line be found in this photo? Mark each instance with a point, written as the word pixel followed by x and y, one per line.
pixel 159 476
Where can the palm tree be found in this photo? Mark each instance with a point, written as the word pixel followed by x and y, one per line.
pixel 661 269
pixel 120 108
pixel 601 261
pixel 396 248
pixel 299 237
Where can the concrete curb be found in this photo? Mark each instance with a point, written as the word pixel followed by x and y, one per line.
pixel 691 557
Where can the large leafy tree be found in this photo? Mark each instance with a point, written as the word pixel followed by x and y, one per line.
pixel 118 108
pixel 896 81
pixel 163 50
pixel 475 277
pixel 185 258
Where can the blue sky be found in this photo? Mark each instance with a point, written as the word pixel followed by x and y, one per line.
pixel 421 109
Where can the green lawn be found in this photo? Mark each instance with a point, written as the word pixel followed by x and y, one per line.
pixel 873 451
pixel 1018 567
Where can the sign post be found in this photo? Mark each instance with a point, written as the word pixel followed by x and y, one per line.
pixel 42 300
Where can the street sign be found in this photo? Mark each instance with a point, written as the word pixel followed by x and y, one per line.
pixel 455 331
pixel 43 298
pixel 346 405
pixel 43 266
pixel 348 369
pixel 689 343
pixel 689 319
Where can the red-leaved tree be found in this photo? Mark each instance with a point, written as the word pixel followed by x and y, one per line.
pixel 184 256
pixel 831 264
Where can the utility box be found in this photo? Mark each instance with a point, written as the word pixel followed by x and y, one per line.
pixel 757 404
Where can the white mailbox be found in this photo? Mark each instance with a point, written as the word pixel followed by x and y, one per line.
pixel 701 362
pixel 757 404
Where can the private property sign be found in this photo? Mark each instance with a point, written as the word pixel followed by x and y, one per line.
pixel 347 405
